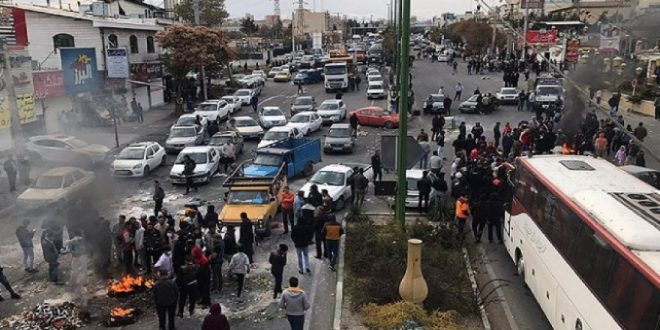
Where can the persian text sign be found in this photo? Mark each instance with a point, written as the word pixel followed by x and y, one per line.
pixel 79 70
pixel 117 63
pixel 21 75
pixel 540 37
pixel 48 84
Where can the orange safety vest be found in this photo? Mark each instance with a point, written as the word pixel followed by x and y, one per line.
pixel 332 232
pixel 462 208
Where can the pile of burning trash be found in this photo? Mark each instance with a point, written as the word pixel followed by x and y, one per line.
pixel 50 316
pixel 120 316
pixel 128 285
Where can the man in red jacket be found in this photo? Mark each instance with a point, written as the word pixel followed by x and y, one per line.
pixel 286 205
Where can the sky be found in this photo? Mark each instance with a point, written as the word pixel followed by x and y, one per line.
pixel 352 8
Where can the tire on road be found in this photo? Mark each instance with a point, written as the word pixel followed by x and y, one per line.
pixel 309 169
pixel 389 125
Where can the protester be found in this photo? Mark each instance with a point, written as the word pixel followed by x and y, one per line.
pixel 24 236
pixel 294 302
pixel 301 236
pixel 215 320
pixel 361 185
pixel 10 167
pixel 238 267
pixel 287 200
pixel 203 276
pixel 246 238
pixel 187 281
pixel 332 232
pixel 5 282
pixel 166 295
pixel 153 243
pixel 216 258
pixel 277 262
pixel 51 256
pixel 424 189
pixel 159 195
pixel 376 167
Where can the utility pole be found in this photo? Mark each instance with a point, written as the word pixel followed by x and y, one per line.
pixel 15 123
pixel 202 71
pixel 525 23
pixel 404 79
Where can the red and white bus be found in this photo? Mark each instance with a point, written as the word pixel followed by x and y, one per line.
pixel 585 238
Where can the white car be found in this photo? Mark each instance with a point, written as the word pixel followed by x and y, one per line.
pixel 375 90
pixel 61 184
pixel 138 159
pixel 412 195
pixel 246 126
pixel 244 95
pixel 334 178
pixel 260 73
pixel 234 101
pixel 271 116
pixel 306 121
pixel 372 73
pixel 274 71
pixel 181 137
pixel 507 95
pixel 207 162
pixel 221 138
pixel 375 78
pixel 279 133
pixel 214 111
pixel 332 111
pixel 443 58
pixel 191 120
pixel 65 149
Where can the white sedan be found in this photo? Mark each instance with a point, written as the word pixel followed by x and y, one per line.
pixel 271 116
pixel 138 159
pixel 214 111
pixel 61 184
pixel 246 126
pixel 65 149
pixel 276 134
pixel 334 178
pixel 306 121
pixel 207 162
pixel 244 95
pixel 235 102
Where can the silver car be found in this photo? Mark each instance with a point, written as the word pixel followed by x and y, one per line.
pixel 303 103
pixel 65 149
pixel 184 136
pixel 221 138
pixel 339 139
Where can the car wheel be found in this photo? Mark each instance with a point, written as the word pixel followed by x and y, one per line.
pixel 389 125
pixel 146 171
pixel 209 177
pixel 340 204
pixel 309 169
pixel 163 160
pixel 520 266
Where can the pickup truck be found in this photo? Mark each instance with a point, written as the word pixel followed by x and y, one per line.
pixel 308 76
pixel 256 196
pixel 298 156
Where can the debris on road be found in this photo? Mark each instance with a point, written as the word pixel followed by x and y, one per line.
pixel 46 316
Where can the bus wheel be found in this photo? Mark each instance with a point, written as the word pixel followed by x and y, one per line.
pixel 520 265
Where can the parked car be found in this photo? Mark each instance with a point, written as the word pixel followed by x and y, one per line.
pixel 57 185
pixel 207 160
pixel 221 138
pixel 647 175
pixel 235 102
pixel 214 111
pixel 246 126
pixel 282 76
pixel 306 121
pixel 376 116
pixel 138 159
pixel 332 111
pixel 65 149
pixel 191 119
pixel 438 105
pixel 274 71
pixel 279 133
pixel 303 103
pixel 334 179
pixel 507 95
pixel 339 139
pixel 244 95
pixel 375 90
pixel 271 116
pixel 261 74
pixel 181 137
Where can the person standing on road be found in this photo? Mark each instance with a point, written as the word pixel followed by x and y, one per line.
pixel 294 302
pixel 320 218
pixel 300 87
pixel 51 256
pixel 477 131
pixel 277 261
pixel 10 169
pixel 459 91
pixel 376 166
pixel 436 126
pixel 188 171
pixel 497 134
pixel 215 320
pixel 361 185
pixel 358 80
pixel 332 232
pixel 216 258
pixel 203 276
pixel 521 100
pixel 254 102
pixel 298 203
pixel 24 236
pixel 426 149
pixel 153 246
pixel 462 212
pixel 239 265
pixel 187 282
pixel 5 282
pixel 140 113
pixel 479 217
pixel 495 216
pixel 166 295
pixel 287 200
pixel 640 132
pixel 228 151
pixel 354 124
pixel 446 103
pixel 134 108
pixel 159 195
pixel 247 236
pixel 301 235
pixel 424 189
pixel 435 162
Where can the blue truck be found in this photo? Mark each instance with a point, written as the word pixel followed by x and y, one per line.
pixel 308 76
pixel 299 155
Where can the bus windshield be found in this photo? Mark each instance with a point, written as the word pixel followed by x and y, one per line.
pixel 335 70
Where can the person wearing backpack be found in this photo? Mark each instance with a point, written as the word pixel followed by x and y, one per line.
pixel 294 302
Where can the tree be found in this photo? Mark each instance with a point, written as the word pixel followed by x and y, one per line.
pixel 248 27
pixel 476 34
pixel 212 12
pixel 189 47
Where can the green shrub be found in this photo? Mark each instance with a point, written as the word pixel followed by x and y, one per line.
pixel 395 315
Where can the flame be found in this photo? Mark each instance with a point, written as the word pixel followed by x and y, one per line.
pixel 129 283
pixel 121 312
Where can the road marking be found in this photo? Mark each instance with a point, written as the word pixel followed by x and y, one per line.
pixel 268 99
pixel 475 290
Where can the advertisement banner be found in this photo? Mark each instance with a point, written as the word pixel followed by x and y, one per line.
pixel 610 38
pixel 145 72
pixel 21 75
pixel 541 37
pixel 117 59
pixel 572 50
pixel 48 84
pixel 533 4
pixel 79 70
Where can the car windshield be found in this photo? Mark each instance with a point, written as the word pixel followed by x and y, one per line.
pixel 248 197
pixel 329 106
pixel 437 98
pixel 272 112
pixel 246 123
pixel 411 184
pixel 183 132
pixel 339 132
pixel 48 182
pixel 268 160
pixel 242 93
pixel 473 98
pixel 186 121
pixel 208 107
pixel 337 70
pixel 77 143
pixel 302 101
pixel 228 99
pixel 509 91
pixel 547 90
pixel 329 178
pixel 300 119
pixel 219 140
pixel 375 86
pixel 131 153
pixel 276 136
pixel 376 78
pixel 198 157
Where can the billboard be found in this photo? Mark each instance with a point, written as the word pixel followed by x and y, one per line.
pixel 542 37
pixel 21 76
pixel 48 84
pixel 533 4
pixel 146 72
pixel 79 70
pixel 572 50
pixel 117 62
pixel 610 38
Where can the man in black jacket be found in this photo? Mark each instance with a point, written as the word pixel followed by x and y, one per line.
pixel 247 236
pixel 187 282
pixel 376 166
pixel 24 237
pixel 424 189
pixel 188 171
pixel 211 217
pixel 51 255
pixel 301 236
pixel 166 295
pixel 5 283
pixel 278 262
pixel 153 245
pixel 159 195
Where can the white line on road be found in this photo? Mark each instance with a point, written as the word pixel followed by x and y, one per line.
pixel 269 99
pixel 475 289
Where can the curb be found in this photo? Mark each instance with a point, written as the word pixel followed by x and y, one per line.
pixel 339 289
pixel 475 291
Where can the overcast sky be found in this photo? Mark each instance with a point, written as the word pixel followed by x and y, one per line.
pixel 356 8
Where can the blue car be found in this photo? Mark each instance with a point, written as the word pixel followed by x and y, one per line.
pixel 309 76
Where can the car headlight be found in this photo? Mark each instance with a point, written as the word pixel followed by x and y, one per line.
pixel 335 117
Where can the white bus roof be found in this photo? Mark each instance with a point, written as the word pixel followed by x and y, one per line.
pixel 625 206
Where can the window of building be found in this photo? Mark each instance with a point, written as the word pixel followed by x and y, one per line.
pixel 113 42
pixel 63 40
pixel 150 45
pixel 134 44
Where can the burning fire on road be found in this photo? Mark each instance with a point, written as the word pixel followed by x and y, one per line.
pixel 120 316
pixel 128 285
